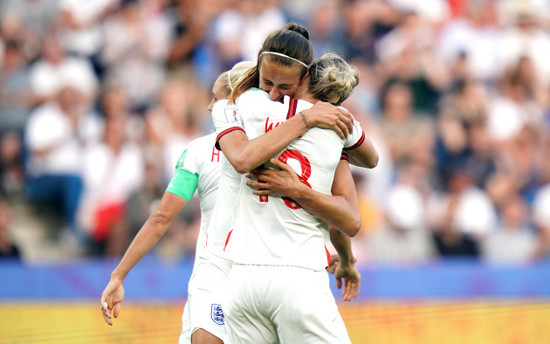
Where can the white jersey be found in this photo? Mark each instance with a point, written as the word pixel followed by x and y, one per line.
pixel 224 120
pixel 272 230
pixel 203 307
pixel 202 158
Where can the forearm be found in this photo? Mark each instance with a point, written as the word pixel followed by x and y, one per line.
pixel 333 209
pixel 342 244
pixel 150 233
pixel 145 240
pixel 248 155
pixel 255 152
pixel 365 155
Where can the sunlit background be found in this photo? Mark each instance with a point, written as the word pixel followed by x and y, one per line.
pixel 98 98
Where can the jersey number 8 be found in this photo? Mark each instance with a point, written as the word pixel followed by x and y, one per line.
pixel 305 167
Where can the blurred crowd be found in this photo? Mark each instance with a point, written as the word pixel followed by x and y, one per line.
pixel 98 98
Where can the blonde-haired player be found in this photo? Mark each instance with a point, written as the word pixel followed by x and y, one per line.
pixel 197 169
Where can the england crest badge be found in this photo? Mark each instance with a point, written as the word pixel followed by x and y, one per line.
pixel 216 314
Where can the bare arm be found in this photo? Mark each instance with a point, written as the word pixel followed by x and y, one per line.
pixel 245 155
pixel 344 265
pixel 340 209
pixel 154 228
pixel 364 155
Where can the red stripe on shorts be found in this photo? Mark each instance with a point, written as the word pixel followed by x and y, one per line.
pixel 328 257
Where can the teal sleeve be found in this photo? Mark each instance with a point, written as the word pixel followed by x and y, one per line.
pixel 183 184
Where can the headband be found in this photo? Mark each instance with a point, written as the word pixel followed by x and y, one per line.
pixel 229 80
pixel 286 56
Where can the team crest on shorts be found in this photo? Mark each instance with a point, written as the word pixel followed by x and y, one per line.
pixel 216 314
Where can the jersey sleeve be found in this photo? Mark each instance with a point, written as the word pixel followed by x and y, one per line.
pixel 254 106
pixel 186 175
pixel 356 138
pixel 183 184
pixel 226 118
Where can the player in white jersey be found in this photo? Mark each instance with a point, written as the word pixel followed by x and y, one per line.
pixel 198 168
pixel 275 239
pixel 314 156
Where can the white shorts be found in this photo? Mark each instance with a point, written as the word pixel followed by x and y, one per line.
pixel 186 330
pixel 203 309
pixel 281 304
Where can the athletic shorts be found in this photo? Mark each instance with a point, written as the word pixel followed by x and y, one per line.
pixel 281 304
pixel 203 309
pixel 186 331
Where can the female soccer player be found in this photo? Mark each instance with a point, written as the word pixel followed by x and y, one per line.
pixel 197 169
pixel 257 243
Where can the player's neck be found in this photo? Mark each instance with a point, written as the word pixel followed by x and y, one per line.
pixel 307 97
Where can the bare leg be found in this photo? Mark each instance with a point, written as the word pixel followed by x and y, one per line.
pixel 201 336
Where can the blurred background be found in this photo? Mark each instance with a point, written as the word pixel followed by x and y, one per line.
pixel 98 98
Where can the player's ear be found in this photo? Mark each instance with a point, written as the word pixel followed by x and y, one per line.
pixel 306 76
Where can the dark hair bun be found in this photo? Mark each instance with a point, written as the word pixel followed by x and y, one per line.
pixel 297 28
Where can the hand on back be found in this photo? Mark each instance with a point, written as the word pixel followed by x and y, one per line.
pixel 328 116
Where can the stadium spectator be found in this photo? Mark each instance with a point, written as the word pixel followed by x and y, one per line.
pixel 16 100
pixel 475 213
pixel 36 16
pixel 515 241
pixel 541 219
pixel 524 34
pixel 464 142
pixel 16 96
pixel 476 38
pixel 49 70
pixel 326 28
pixel 364 24
pixel 192 53
pixel 409 136
pixel 8 247
pixel 54 133
pixel 136 44
pixel 404 237
pixel 449 240
pixel 112 169
pixel 407 55
pixel 175 120
pixel 79 27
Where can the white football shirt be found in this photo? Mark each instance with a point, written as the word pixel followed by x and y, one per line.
pixel 272 230
pixel 202 158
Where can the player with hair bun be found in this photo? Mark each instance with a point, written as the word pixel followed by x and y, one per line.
pixel 277 246
pixel 331 79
